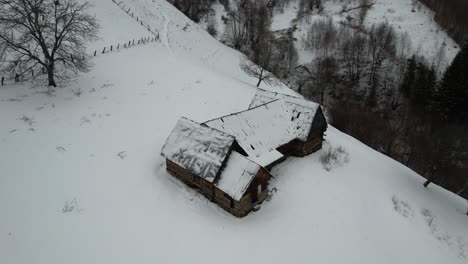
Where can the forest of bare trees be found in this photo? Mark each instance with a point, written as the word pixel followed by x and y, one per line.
pixel 374 88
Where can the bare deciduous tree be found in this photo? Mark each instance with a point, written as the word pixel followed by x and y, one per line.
pixel 381 46
pixel 324 71
pixel 47 34
pixel 322 36
pixel 236 31
pixel 353 53
pixel 254 70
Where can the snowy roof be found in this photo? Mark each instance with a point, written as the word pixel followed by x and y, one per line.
pixel 264 96
pixel 237 175
pixel 262 129
pixel 197 148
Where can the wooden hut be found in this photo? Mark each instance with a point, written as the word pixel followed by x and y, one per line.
pixel 228 158
pixel 205 159
pixel 275 126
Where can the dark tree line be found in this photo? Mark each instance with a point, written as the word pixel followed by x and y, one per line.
pixel 196 9
pixel 451 15
pixel 391 100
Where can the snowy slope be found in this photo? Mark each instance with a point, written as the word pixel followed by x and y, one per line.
pixel 425 35
pixel 114 27
pixel 82 181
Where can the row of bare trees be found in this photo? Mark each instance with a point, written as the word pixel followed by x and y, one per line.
pixel 361 54
pixel 380 93
pixel 269 54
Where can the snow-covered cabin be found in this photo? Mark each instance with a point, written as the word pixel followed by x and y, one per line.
pixel 274 127
pixel 227 159
pixel 206 159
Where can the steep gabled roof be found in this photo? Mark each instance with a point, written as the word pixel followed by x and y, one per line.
pixel 237 175
pixel 197 148
pixel 265 127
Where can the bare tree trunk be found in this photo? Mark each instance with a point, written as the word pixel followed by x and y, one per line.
pixel 50 75
pixel 428 181
pixel 260 78
pixel 259 81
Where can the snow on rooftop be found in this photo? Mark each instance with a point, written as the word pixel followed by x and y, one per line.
pixel 264 96
pixel 262 129
pixel 268 157
pixel 197 148
pixel 237 175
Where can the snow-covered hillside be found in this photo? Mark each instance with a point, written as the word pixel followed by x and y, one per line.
pixel 82 179
pixel 426 37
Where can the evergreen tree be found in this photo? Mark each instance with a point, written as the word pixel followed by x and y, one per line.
pixel 419 89
pixel 452 94
pixel 409 78
pixel 423 87
pixel 432 85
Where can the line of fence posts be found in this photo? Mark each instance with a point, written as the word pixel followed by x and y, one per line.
pixel 123 7
pixel 130 44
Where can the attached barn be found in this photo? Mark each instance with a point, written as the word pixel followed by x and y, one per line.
pixel 228 158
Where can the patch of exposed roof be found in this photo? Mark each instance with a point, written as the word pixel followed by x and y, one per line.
pixel 237 175
pixel 197 148
pixel 263 128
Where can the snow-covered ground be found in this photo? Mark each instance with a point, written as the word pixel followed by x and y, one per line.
pixel 82 179
pixel 425 35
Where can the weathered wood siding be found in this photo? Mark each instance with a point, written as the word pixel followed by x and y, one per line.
pixel 252 197
pixel 301 148
pixel 308 147
pixel 191 180
pixel 238 208
pixel 222 199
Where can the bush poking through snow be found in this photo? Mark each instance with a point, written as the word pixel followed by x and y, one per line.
pixel 271 193
pixel 334 157
pixel 71 206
